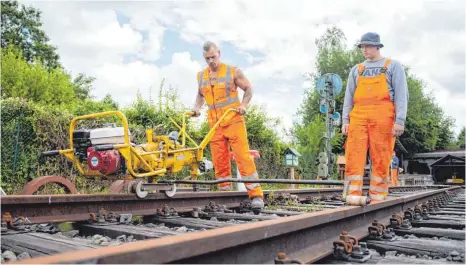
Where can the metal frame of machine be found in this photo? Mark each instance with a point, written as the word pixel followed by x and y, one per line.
pixel 155 158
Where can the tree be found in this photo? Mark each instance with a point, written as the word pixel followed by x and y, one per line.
pixel 33 81
pixel 263 137
pixel 21 26
pixel 332 57
pixel 461 141
pixel 446 136
pixel 83 86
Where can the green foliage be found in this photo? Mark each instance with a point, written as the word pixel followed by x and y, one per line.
pixel 309 139
pixel 22 29
pixel 426 128
pixel 461 141
pixel 21 26
pixel 28 129
pixel 263 137
pixel 83 86
pixel 33 81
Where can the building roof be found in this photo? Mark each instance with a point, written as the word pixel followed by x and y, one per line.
pixel 293 151
pixel 460 161
pixel 441 153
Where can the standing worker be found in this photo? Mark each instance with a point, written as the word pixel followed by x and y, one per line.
pixel 218 85
pixel 374 114
pixel 394 169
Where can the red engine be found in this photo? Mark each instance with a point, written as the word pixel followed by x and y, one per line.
pixel 106 162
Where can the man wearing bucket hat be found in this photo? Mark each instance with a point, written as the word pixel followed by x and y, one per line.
pixel 374 114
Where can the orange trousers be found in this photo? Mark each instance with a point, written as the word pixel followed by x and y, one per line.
pixel 371 123
pixel 234 135
pixel 394 173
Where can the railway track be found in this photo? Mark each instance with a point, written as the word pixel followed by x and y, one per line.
pixel 298 226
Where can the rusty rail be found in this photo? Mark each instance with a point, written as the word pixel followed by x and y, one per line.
pixel 78 207
pixel 306 237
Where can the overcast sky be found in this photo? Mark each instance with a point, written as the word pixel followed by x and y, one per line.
pixel 133 45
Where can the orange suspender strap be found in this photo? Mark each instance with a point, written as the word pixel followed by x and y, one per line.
pixel 387 62
pixel 360 68
pixel 385 66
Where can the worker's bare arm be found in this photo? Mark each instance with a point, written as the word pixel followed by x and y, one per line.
pixel 243 83
pixel 199 101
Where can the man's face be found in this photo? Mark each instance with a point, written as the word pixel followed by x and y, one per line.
pixel 369 51
pixel 212 58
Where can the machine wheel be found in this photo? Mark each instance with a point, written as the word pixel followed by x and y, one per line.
pixel 139 192
pixel 170 193
pixel 33 186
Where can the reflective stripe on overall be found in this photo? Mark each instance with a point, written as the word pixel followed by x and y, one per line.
pixel 371 123
pixel 220 96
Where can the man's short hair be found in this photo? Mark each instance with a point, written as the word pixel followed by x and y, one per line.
pixel 208 45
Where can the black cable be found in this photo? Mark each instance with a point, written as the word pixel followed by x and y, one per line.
pixel 285 181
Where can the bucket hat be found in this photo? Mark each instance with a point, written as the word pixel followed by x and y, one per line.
pixel 370 38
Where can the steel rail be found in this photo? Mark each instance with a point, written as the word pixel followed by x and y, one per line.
pixel 78 207
pixel 307 237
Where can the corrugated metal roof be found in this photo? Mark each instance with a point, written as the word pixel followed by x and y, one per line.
pixel 440 154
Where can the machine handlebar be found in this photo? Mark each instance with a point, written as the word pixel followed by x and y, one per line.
pixel 104 147
pixel 51 153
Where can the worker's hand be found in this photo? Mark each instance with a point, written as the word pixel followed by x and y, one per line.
pixel 241 110
pixel 344 129
pixel 398 130
pixel 197 113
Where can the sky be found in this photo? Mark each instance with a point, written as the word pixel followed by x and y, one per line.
pixel 134 45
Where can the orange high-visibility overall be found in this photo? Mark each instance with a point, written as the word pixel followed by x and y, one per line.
pixel 394 173
pixel 371 123
pixel 221 95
